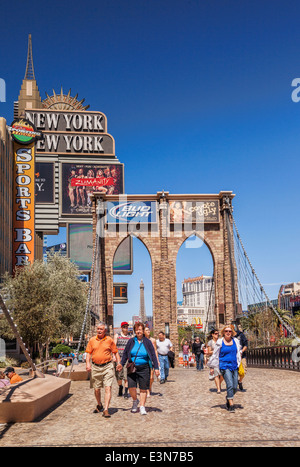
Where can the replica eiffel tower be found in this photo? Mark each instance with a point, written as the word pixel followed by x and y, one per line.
pixel 142 312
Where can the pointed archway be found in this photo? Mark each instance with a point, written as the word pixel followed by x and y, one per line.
pixel 195 285
pixel 142 271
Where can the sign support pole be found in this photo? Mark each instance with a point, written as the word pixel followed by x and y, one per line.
pixel 19 338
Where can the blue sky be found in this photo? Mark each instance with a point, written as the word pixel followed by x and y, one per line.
pixel 198 98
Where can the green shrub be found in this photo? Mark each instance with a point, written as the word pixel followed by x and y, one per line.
pixel 9 362
pixel 61 348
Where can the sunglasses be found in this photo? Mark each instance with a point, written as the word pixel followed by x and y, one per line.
pixel 228 331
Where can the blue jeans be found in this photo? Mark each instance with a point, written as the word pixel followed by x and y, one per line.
pixel 199 361
pixel 164 366
pixel 231 380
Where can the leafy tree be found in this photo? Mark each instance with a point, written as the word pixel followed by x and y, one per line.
pixel 296 323
pixel 285 316
pixel 47 300
pixel 187 332
pixel 70 294
pixel 260 326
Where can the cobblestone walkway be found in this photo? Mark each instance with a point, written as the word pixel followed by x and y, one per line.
pixel 186 411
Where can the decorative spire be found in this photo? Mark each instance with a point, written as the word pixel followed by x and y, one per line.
pixel 29 73
pixel 142 313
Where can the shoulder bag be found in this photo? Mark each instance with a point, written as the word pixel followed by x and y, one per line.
pixel 131 368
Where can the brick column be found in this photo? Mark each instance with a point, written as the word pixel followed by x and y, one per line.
pixel 164 280
pixel 229 266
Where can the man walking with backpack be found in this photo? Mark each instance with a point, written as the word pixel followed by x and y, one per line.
pixel 244 345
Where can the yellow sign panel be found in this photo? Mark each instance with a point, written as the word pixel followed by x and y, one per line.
pixel 197 320
pixel 23 205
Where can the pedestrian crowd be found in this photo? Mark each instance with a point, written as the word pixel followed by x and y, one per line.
pixel 136 360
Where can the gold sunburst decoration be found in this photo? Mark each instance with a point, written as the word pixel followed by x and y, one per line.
pixel 63 102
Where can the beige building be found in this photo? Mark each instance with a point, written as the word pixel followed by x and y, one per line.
pixel 6 193
pixel 197 306
pixel 289 297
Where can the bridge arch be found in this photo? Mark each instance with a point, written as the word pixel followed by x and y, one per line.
pixel 163 242
pixel 141 271
pixel 195 283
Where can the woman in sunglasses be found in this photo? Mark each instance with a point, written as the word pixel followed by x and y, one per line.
pixel 227 356
pixel 215 374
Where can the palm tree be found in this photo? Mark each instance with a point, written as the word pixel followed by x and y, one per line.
pixel 285 316
pixel 250 323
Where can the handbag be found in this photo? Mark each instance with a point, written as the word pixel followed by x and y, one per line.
pixel 241 370
pixel 131 368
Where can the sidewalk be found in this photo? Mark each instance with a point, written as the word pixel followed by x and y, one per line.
pixel 185 411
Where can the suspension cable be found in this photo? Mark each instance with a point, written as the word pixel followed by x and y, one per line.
pixel 87 308
pixel 270 304
pixel 209 305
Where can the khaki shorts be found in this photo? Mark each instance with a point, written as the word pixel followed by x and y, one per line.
pixel 102 376
pixel 121 375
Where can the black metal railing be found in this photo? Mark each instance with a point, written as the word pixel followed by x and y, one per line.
pixel 285 357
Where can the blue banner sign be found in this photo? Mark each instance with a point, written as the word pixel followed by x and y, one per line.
pixel 137 212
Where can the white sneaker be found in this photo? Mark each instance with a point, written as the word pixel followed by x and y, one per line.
pixel 143 410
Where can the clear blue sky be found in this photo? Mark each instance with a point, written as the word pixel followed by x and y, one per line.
pixel 197 96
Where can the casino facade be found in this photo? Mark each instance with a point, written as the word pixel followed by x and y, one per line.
pixel 60 169
pixel 50 183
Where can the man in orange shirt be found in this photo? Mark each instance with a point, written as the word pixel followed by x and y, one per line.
pixel 14 378
pixel 99 361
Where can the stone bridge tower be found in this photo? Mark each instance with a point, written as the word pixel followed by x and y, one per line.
pixel 163 240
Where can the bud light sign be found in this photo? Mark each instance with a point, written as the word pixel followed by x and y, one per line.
pixel 137 212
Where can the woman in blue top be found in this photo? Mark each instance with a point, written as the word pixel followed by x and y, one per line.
pixel 140 350
pixel 227 356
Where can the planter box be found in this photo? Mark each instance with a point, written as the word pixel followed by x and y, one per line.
pixel 27 400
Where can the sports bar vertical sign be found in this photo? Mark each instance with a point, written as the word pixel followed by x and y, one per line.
pixel 24 136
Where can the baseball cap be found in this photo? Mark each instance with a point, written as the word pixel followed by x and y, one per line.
pixel 124 324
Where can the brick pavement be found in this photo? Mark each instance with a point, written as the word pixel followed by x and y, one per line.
pixel 186 411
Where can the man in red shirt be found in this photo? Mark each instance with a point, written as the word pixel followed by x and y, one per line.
pixel 99 361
